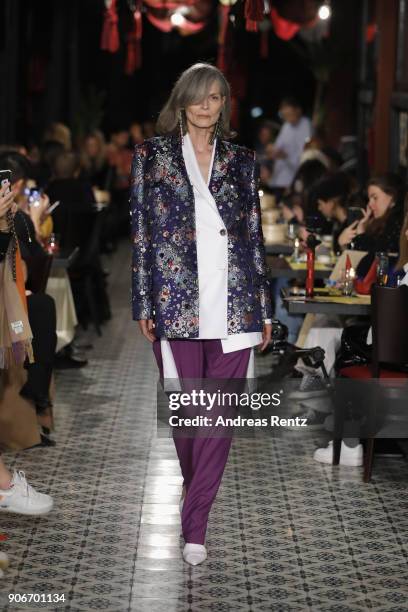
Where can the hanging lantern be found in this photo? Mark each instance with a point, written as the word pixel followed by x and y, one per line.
pixel 134 40
pixel 224 22
pixel 254 12
pixel 110 32
pixel 187 16
pixel 283 28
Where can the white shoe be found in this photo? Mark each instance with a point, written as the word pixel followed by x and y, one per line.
pixel 4 561
pixel 352 457
pixel 194 553
pixel 22 498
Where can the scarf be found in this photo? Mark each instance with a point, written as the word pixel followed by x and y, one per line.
pixel 15 331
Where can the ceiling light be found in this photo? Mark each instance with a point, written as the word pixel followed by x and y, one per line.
pixel 324 12
pixel 177 19
pixel 256 112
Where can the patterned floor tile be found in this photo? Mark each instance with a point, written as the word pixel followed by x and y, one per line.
pixel 285 534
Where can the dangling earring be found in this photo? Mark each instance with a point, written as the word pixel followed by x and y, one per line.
pixel 181 126
pixel 216 130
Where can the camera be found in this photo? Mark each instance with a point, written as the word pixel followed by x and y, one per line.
pixel 279 335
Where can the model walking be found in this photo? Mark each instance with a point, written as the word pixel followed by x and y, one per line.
pixel 199 286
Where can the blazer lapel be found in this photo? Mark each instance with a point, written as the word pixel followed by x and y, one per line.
pixel 219 185
pixel 194 173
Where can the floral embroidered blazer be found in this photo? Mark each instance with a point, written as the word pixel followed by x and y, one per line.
pixel 164 262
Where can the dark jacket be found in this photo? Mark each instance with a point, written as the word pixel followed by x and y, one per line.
pixel 387 240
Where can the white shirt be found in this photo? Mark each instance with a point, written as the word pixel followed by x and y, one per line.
pixel 291 139
pixel 212 265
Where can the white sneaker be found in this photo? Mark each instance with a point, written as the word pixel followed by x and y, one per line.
pixel 4 561
pixel 352 457
pixel 22 498
pixel 194 553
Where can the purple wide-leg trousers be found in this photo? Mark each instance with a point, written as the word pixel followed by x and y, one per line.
pixel 202 460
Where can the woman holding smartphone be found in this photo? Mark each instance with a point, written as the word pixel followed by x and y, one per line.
pixel 16 495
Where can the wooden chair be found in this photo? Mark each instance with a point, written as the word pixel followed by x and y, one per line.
pixel 389 321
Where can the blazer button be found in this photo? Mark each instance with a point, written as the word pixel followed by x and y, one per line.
pixel 223 232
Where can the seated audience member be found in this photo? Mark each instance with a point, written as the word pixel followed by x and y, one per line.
pixel 384 207
pixel 78 224
pixel 94 164
pixel 42 171
pixel 75 195
pixel 16 495
pixel 330 197
pixel 287 149
pixel 296 206
pixel 41 307
pixel 59 132
pixel 380 227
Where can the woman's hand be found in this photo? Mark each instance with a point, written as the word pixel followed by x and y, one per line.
pixel 348 234
pixel 6 200
pixel 266 336
pixel 146 326
pixel 38 213
pixel 303 233
pixel 287 213
pixel 362 224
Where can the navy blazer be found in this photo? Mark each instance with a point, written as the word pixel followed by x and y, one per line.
pixel 164 263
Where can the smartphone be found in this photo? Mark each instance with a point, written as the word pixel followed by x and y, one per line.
pixel 34 197
pixel 354 213
pixel 53 207
pixel 5 178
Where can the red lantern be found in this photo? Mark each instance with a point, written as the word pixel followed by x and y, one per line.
pixel 134 43
pixel 110 33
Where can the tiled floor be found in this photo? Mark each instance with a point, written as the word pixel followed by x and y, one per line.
pixel 285 533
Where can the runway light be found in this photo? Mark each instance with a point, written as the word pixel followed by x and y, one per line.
pixel 256 112
pixel 324 12
pixel 177 19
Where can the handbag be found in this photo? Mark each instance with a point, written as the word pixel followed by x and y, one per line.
pixel 363 285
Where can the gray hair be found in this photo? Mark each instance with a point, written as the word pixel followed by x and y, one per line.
pixel 191 87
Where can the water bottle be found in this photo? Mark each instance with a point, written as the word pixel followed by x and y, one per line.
pixel 382 269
